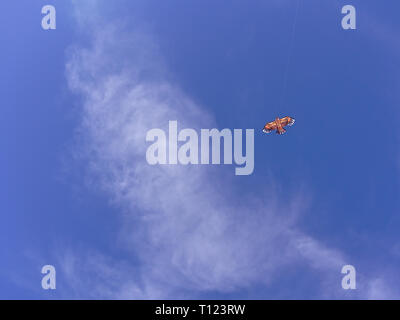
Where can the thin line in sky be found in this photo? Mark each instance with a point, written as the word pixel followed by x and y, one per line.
pixel 290 54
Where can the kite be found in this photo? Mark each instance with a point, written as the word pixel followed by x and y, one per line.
pixel 278 125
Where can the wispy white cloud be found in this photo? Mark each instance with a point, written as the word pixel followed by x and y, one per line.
pixel 183 223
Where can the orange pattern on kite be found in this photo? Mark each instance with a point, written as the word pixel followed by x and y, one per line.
pixel 278 125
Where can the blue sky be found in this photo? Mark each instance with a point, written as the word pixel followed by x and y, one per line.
pixel 76 192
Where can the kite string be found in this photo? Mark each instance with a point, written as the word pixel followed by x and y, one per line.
pixel 289 58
